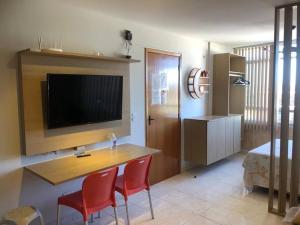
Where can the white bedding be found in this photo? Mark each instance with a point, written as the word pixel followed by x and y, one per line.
pixel 256 166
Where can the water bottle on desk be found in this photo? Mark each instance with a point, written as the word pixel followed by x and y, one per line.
pixel 113 141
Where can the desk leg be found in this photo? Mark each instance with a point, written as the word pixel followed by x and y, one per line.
pixel 92 218
pixel 99 215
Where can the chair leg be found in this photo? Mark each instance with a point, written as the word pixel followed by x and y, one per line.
pixel 92 218
pixel 40 216
pixel 127 213
pixel 41 219
pixel 150 202
pixel 99 215
pixel 116 216
pixel 58 215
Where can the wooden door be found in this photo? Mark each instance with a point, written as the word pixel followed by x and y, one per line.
pixel 162 112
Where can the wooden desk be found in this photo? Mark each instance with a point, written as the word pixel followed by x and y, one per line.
pixel 69 168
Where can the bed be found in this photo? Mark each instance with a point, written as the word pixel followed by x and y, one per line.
pixel 256 166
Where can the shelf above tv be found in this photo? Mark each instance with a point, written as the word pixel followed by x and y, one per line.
pixel 76 55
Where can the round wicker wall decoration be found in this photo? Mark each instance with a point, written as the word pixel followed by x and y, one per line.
pixel 198 83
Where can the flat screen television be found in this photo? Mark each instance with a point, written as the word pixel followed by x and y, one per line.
pixel 75 99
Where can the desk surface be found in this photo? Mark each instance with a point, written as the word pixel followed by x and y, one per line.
pixel 68 168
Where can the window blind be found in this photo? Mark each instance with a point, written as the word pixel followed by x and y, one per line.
pixel 257 102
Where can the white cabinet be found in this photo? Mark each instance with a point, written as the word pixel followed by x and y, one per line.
pixel 237 135
pixel 216 140
pixel 229 133
pixel 211 138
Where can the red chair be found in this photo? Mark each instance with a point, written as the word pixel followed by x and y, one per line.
pixel 135 179
pixel 98 192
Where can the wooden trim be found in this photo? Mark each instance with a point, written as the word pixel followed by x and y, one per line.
pixel 284 135
pixel 179 110
pixel 294 185
pixel 273 111
pixel 151 50
pixel 77 55
pixel 146 95
pixel 148 50
pixel 21 106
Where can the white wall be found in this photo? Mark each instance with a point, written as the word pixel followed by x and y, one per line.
pixel 83 31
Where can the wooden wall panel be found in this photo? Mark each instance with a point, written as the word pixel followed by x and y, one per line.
pixel 285 110
pixel 37 138
pixel 295 167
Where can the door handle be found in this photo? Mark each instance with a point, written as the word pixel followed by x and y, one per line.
pixel 150 119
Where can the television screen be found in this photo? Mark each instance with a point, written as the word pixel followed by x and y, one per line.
pixel 82 99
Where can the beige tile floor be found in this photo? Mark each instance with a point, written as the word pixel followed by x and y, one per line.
pixel 215 197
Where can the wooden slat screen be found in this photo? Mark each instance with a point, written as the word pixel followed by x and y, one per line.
pixel 287 92
pixel 257 102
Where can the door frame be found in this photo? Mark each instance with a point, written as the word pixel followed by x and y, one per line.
pixel 179 55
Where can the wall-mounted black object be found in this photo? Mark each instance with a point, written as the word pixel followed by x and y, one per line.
pixel 128 35
pixel 128 44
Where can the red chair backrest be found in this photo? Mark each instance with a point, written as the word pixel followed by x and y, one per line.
pixel 136 173
pixel 99 188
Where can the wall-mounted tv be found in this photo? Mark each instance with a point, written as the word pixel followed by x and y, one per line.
pixel 75 99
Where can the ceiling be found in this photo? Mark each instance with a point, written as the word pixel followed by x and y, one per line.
pixel 232 22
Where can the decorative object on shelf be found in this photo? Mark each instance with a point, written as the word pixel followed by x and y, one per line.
pixel 198 83
pixel 128 43
pixel 56 46
pixel 51 50
pixel 98 53
pixel 40 41
pixel 204 73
